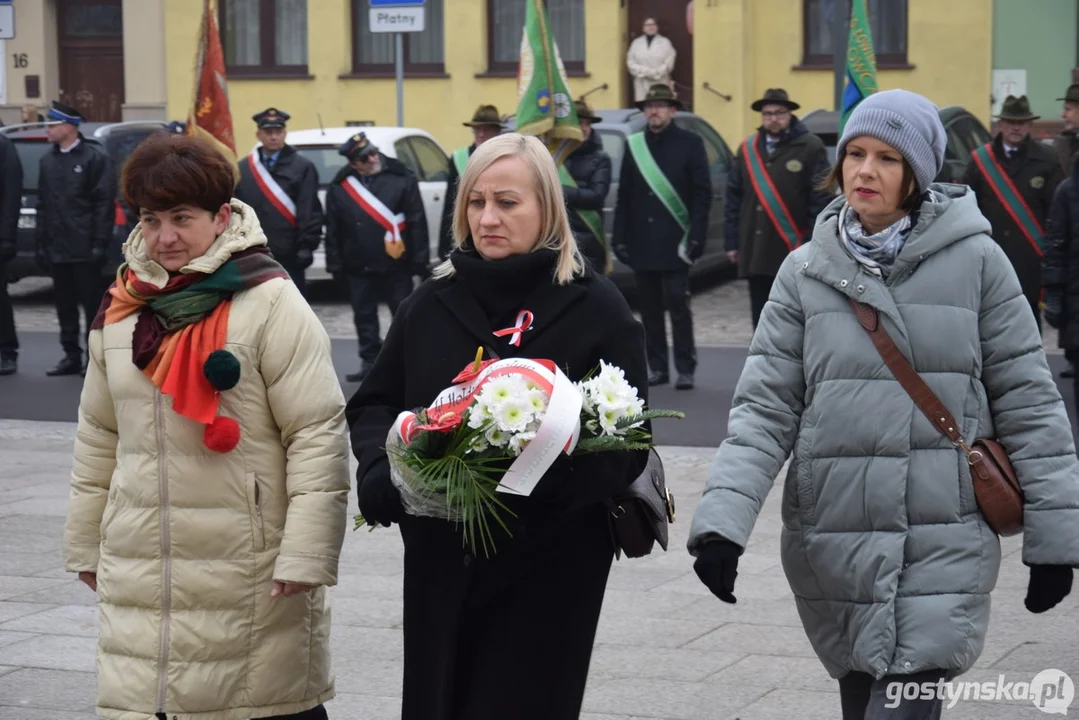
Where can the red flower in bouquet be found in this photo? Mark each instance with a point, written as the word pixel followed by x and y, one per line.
pixel 444 422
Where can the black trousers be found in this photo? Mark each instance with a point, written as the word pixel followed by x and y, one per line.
pixel 296 273
pixel 863 697
pixel 760 287
pixel 75 285
pixel 9 341
pixel 667 291
pixel 365 292
pixel 316 713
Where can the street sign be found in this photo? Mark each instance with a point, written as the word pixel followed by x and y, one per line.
pixel 1005 83
pixel 396 19
pixel 7 21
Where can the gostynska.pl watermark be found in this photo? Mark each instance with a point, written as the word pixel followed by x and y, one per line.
pixel 1051 691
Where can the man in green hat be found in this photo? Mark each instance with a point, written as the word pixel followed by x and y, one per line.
pixel 772 197
pixel 660 227
pixel 586 178
pixel 486 123
pixel 1066 143
pixel 1014 178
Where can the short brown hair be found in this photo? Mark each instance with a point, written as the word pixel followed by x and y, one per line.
pixel 167 170
pixel 834 180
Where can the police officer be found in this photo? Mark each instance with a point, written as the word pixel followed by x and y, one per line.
pixel 486 123
pixel 76 208
pixel 1014 178
pixel 660 227
pixel 376 237
pixel 10 205
pixel 282 186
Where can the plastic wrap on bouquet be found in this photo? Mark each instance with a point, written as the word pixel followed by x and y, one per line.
pixel 418 497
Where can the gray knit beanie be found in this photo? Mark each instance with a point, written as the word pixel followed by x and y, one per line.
pixel 908 122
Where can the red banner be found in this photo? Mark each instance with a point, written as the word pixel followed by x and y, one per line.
pixel 210 117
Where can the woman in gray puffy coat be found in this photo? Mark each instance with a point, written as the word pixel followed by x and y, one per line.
pixel 884 547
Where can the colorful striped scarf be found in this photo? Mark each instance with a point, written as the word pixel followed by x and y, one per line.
pixel 180 324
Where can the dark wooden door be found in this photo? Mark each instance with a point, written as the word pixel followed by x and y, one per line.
pixel 671 17
pixel 91 44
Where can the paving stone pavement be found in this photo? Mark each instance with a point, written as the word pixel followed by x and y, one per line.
pixel 666 649
pixel 720 314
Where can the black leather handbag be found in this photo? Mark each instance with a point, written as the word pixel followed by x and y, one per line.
pixel 640 515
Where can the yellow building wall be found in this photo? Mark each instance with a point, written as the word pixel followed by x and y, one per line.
pixel 743 47
pixel 438 105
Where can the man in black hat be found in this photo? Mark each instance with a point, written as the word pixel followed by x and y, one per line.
pixel 1066 143
pixel 761 227
pixel 486 123
pixel 1014 178
pixel 586 178
pixel 660 227
pixel 76 207
pixel 376 237
pixel 282 186
pixel 10 206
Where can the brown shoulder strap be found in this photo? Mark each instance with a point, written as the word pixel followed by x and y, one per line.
pixel 907 376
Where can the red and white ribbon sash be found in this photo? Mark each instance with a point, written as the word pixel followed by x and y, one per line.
pixel 557 433
pixel 370 204
pixel 522 325
pixel 271 189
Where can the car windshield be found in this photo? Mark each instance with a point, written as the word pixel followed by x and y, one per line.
pixel 30 153
pixel 120 144
pixel 326 159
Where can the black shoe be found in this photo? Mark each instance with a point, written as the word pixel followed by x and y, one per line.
pixel 70 365
pixel 1068 373
pixel 359 375
pixel 684 382
pixel 8 366
pixel 658 378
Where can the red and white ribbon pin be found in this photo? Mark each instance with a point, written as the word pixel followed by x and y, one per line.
pixel 524 323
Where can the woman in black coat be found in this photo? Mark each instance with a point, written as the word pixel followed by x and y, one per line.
pixel 590 168
pixel 506 636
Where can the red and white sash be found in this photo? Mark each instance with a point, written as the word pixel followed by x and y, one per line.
pixel 377 209
pixel 271 189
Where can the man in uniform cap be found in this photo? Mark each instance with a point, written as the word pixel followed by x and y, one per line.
pixel 762 229
pixel 1066 144
pixel 486 123
pixel 376 237
pixel 1014 178
pixel 76 207
pixel 661 238
pixel 586 178
pixel 282 186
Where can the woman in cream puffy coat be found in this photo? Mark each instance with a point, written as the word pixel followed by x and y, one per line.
pixel 209 512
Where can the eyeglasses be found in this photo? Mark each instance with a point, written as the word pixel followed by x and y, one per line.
pixel 775 114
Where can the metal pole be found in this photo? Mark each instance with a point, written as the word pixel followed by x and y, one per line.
pixel 840 27
pixel 399 62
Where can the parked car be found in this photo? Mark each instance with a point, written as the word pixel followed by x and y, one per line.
pixel 417 149
pixel 613 131
pixel 965 134
pixel 30 141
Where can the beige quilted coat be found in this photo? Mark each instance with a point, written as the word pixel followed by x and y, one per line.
pixel 186 542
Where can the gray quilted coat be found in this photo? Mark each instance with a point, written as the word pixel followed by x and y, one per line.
pixel 883 545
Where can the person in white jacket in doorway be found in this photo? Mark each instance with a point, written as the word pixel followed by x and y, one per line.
pixel 650 60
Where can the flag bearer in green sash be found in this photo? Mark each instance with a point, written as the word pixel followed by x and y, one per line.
pixel 486 123
pixel 1014 178
pixel 772 197
pixel 586 178
pixel 660 227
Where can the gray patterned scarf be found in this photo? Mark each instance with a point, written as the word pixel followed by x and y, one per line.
pixel 878 251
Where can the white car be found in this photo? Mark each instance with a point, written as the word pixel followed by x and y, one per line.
pixel 420 153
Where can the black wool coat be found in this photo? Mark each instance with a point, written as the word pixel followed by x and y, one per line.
pixel 1060 264
pixel 298 177
pixel 1035 171
pixel 643 229
pixel 76 202
pixel 590 168
pixel 508 636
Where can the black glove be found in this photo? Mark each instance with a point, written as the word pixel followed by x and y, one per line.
pixel 695 251
pixel 622 253
pixel 379 500
pixel 41 254
pixel 304 257
pixel 717 567
pixel 7 251
pixel 97 255
pixel 1054 305
pixel 333 265
pixel 1049 584
pixel 421 270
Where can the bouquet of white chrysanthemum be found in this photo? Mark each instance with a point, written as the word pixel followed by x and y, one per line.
pixel 498 429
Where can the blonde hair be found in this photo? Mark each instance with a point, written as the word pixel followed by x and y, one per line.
pixel 554 233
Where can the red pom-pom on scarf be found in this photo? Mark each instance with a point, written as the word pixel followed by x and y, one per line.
pixel 222 435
